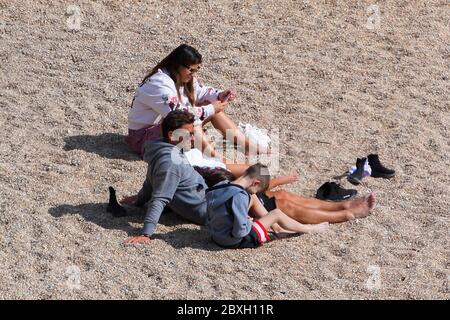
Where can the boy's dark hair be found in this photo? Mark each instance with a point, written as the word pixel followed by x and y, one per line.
pixel 260 172
pixel 174 120
pixel 214 176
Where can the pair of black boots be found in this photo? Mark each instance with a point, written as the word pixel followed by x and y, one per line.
pixel 377 169
pixel 332 191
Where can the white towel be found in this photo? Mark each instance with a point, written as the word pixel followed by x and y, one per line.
pixel 196 158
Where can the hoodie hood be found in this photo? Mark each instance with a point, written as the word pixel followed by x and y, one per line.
pixel 220 193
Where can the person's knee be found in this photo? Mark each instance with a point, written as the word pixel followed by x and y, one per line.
pixel 218 116
pixel 276 212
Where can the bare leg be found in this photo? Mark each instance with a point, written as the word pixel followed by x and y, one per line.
pixel 360 208
pixel 257 211
pixel 223 122
pixel 206 147
pixel 278 217
pixel 309 202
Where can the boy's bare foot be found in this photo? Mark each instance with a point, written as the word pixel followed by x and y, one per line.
pixel 318 228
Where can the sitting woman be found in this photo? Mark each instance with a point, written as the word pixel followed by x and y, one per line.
pixel 302 209
pixel 171 85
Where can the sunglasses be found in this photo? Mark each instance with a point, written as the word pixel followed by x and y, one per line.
pixel 192 70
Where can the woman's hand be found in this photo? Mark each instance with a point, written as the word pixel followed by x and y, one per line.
pixel 227 95
pixel 138 239
pixel 219 106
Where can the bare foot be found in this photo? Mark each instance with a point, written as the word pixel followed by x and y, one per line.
pixel 371 199
pixel 361 207
pixel 318 228
pixel 355 202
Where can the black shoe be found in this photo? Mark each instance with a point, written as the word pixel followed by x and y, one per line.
pixel 113 206
pixel 334 192
pixel 378 170
pixel 356 177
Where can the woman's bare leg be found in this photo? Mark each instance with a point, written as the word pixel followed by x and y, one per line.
pixel 223 122
pixel 360 208
pixel 206 147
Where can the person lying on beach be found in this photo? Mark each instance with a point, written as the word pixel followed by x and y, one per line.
pixel 302 209
pixel 171 181
pixel 228 205
pixel 172 85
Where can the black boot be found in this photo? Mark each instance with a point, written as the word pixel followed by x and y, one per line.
pixel 113 206
pixel 378 170
pixel 356 177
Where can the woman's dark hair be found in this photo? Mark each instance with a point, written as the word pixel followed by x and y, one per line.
pixel 174 120
pixel 214 176
pixel 183 56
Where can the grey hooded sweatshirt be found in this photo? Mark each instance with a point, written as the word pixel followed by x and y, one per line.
pixel 170 181
pixel 227 220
